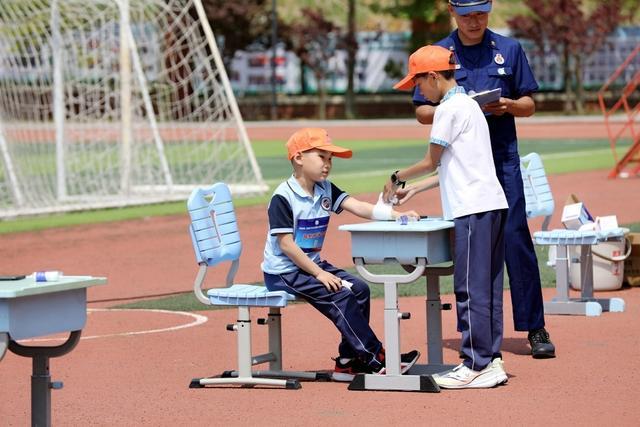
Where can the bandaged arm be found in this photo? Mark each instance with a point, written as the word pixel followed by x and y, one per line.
pixel 382 211
pixel 368 210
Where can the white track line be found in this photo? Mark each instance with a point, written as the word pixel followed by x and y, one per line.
pixel 198 320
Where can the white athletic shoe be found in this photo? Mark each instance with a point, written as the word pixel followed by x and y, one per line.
pixel 498 366
pixel 463 377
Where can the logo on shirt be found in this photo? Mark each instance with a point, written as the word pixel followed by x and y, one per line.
pixel 498 59
pixel 325 203
pixel 309 233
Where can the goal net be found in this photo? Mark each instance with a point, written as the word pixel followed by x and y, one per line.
pixel 107 103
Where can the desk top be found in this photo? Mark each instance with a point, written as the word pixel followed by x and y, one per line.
pixel 422 226
pixel 28 286
pixel 378 241
pixel 577 237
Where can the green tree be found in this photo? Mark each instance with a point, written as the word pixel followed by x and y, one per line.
pixel 430 20
pixel 315 40
pixel 563 27
pixel 237 24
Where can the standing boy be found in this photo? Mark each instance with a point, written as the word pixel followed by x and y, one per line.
pixel 299 214
pixel 486 61
pixel 472 197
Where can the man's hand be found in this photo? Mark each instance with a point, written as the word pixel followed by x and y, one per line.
pixel 499 107
pixel 331 282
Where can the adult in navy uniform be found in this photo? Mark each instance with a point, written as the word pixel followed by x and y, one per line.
pixel 488 61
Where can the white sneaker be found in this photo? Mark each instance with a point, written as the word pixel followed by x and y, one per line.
pixel 498 366
pixel 463 377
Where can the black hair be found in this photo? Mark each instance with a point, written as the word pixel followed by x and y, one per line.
pixel 446 74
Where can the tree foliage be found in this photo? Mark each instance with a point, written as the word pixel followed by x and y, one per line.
pixel 430 20
pixel 315 40
pixel 237 24
pixel 563 27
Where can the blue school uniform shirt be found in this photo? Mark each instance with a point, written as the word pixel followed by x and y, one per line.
pixel 292 210
pixel 496 62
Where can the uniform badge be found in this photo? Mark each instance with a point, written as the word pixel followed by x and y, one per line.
pixel 325 203
pixel 501 71
pixel 498 59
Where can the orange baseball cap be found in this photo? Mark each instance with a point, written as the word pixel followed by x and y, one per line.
pixel 425 59
pixel 310 138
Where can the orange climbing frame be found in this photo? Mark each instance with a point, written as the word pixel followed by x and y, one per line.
pixel 631 111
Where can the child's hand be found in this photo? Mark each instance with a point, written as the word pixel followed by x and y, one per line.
pixel 331 282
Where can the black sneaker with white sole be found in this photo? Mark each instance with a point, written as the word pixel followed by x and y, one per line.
pixel 407 360
pixel 347 370
pixel 541 345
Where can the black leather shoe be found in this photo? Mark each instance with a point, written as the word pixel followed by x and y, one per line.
pixel 541 345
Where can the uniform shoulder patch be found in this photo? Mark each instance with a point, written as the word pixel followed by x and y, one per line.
pixel 325 203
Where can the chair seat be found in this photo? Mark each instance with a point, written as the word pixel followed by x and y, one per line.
pixel 249 295
pixel 575 237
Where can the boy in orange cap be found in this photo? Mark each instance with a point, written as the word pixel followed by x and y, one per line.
pixel 460 148
pixel 299 213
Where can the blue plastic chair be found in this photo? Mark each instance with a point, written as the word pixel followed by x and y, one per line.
pixel 539 201
pixel 216 239
pixel 537 192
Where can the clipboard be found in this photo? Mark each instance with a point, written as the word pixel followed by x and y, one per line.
pixel 487 96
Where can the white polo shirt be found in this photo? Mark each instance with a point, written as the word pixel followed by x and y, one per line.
pixel 468 182
pixel 292 210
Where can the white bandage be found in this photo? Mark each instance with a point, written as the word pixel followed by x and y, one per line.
pixel 382 211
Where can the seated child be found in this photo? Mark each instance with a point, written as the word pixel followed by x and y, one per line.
pixel 299 213
pixel 460 147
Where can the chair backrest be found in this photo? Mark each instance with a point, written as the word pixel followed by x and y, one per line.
pixel 213 228
pixel 537 192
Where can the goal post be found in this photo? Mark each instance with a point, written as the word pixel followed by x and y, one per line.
pixel 108 103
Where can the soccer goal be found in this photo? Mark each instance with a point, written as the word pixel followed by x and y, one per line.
pixel 107 103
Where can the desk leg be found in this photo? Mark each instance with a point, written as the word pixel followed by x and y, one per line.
pixel 587 285
pixel 392 380
pixel 4 342
pixel 391 328
pixel 41 384
pixel 562 274
pixel 434 321
pixel 587 304
pixel 586 271
pixel 275 338
pixel 435 363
